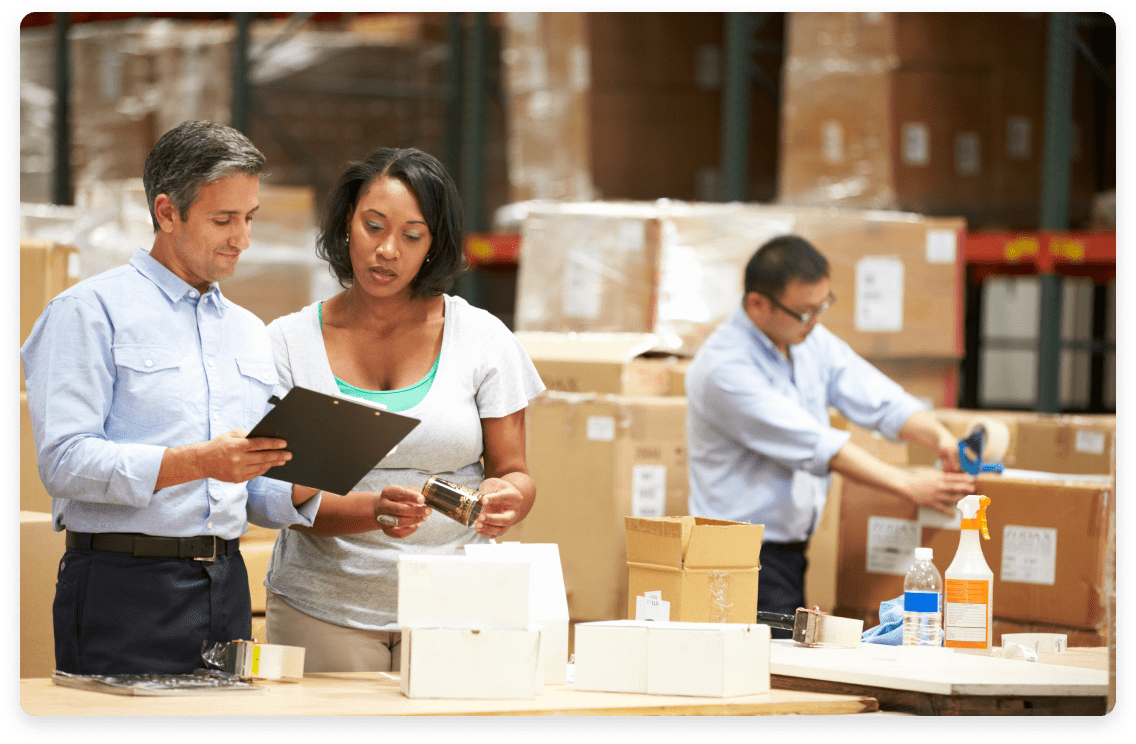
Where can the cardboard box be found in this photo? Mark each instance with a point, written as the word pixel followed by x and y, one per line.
pixel 616 363
pixel 257 554
pixel 1047 443
pixel 41 549
pixel 548 606
pixel 676 270
pixel 1047 547
pixel 448 591
pixel 33 495
pixel 46 269
pixel 673 658
pixel 705 568
pixel 468 664
pixel 597 459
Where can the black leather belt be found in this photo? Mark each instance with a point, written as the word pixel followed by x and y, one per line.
pixel 787 547
pixel 200 547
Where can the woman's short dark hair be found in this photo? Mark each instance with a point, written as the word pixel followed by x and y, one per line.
pixel 780 261
pixel 437 197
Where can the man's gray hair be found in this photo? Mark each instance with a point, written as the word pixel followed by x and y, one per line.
pixel 195 154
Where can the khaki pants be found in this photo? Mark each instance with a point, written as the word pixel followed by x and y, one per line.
pixel 329 647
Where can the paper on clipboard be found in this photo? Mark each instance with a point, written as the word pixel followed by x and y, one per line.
pixel 334 441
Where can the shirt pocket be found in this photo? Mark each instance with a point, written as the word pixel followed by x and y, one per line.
pixel 149 390
pixel 258 383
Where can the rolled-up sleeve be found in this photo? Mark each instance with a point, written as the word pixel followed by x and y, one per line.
pixel 746 408
pixel 69 408
pixel 868 397
pixel 270 505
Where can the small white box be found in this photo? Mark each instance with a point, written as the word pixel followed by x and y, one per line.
pixel 664 658
pixel 466 664
pixel 462 592
pixel 548 604
pixel 611 656
pixel 1042 643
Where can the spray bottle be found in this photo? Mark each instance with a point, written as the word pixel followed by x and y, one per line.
pixel 968 585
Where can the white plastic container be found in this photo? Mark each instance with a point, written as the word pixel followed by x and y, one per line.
pixel 968 596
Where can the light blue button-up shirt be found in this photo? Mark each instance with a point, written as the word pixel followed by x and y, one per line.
pixel 757 426
pixel 130 362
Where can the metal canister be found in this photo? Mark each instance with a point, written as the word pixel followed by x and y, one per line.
pixel 459 503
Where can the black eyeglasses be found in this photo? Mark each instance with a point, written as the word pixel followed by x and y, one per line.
pixel 805 317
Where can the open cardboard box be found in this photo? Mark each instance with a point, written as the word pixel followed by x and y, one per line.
pixel 705 568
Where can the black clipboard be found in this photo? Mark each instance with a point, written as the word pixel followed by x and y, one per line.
pixel 334 441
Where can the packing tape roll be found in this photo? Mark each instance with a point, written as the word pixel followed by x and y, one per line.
pixel 995 439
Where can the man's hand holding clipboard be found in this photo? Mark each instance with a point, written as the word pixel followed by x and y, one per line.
pixel 334 441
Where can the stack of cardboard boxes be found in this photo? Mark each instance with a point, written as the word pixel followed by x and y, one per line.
pixel 937 113
pixel 1048 518
pixel 676 270
pixel 605 442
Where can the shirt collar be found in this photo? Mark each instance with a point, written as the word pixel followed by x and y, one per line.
pixel 742 320
pixel 172 285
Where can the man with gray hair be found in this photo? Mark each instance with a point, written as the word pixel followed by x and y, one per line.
pixel 142 385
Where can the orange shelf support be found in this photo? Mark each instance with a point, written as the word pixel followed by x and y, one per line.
pixel 1090 254
pixel 492 248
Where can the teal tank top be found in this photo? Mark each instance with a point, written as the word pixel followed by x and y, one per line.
pixel 394 400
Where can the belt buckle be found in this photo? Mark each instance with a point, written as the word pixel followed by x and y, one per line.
pixel 209 558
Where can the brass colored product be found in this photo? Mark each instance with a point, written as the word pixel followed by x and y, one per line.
pixel 456 502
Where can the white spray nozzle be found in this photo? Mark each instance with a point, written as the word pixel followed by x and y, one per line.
pixel 968 505
pixel 973 508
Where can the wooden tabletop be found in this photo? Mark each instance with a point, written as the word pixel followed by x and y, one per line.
pixel 941 681
pixel 375 693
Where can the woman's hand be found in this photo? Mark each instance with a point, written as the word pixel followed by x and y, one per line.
pixel 399 510
pixel 501 503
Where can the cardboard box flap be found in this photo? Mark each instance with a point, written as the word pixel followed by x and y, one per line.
pixel 720 544
pixel 659 542
pixel 617 348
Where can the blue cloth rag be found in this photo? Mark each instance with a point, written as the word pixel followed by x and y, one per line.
pixel 890 630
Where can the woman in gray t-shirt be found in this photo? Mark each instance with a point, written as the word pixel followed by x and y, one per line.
pixel 392 235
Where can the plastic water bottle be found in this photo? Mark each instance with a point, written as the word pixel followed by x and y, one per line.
pixel 923 602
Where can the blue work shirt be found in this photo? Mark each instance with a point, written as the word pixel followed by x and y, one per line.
pixel 757 425
pixel 130 362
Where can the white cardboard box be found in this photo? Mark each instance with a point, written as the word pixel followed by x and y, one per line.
pixel 664 658
pixel 548 604
pixel 463 592
pixel 466 664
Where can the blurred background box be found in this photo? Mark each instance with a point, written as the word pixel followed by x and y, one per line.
pixel 617 363
pixel 676 270
pixel 1047 547
pixel 41 549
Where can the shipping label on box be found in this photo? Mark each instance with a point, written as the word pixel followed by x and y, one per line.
pixel 705 568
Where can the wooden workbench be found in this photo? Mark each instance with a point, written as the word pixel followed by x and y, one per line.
pixel 375 693
pixel 957 683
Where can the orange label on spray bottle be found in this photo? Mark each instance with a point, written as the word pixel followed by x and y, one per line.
pixel 965 613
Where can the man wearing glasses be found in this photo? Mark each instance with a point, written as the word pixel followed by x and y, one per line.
pixel 758 435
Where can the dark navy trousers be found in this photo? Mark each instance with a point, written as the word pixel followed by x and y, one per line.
pixel 117 614
pixel 781 580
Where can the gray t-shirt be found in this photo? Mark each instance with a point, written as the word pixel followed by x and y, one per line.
pixel 483 372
